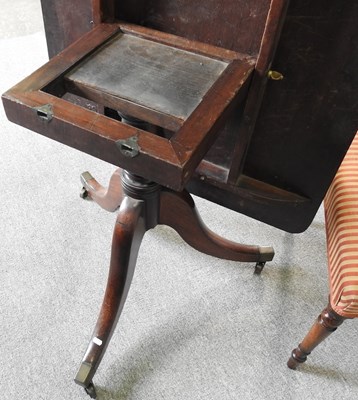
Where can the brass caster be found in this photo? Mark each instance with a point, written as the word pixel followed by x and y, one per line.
pixel 91 391
pixel 84 193
pixel 259 267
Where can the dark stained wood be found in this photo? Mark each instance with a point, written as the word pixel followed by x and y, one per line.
pixel 206 21
pixel 272 159
pixel 66 21
pixel 327 322
pixel 127 236
pixel 106 10
pixel 144 205
pixel 312 110
pixel 304 125
pixel 178 211
pixel 203 126
pixel 107 198
pixel 177 156
pixel 61 63
pixel 281 208
pixel 272 32
pixel 308 120
pixel 155 76
pixel 95 134
pixel 212 22
pixel 179 42
pixel 246 18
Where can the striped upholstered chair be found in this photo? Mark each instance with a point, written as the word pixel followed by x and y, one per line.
pixel 341 214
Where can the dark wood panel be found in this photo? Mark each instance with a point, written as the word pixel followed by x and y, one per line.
pixel 308 119
pixel 233 24
pixel 67 20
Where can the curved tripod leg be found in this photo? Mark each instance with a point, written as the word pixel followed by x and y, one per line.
pixel 127 237
pixel 108 198
pixel 178 211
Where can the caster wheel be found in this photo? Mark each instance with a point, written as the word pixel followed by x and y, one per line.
pixel 83 193
pixel 259 267
pixel 91 391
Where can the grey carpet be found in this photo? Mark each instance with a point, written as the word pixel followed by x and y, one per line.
pixel 194 327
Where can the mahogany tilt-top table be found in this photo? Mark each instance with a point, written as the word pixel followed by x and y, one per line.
pixel 248 104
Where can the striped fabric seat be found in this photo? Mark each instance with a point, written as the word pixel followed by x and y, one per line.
pixel 341 213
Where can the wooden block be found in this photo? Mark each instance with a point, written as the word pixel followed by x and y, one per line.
pixel 165 79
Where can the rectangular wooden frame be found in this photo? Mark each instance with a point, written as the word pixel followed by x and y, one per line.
pixel 170 162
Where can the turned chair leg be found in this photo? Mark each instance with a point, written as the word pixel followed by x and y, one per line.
pixel 178 211
pixel 326 323
pixel 128 233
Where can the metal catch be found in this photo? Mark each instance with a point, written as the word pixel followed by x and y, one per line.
pixel 129 147
pixel 45 112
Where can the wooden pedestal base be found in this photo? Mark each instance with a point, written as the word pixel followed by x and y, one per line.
pixel 142 206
